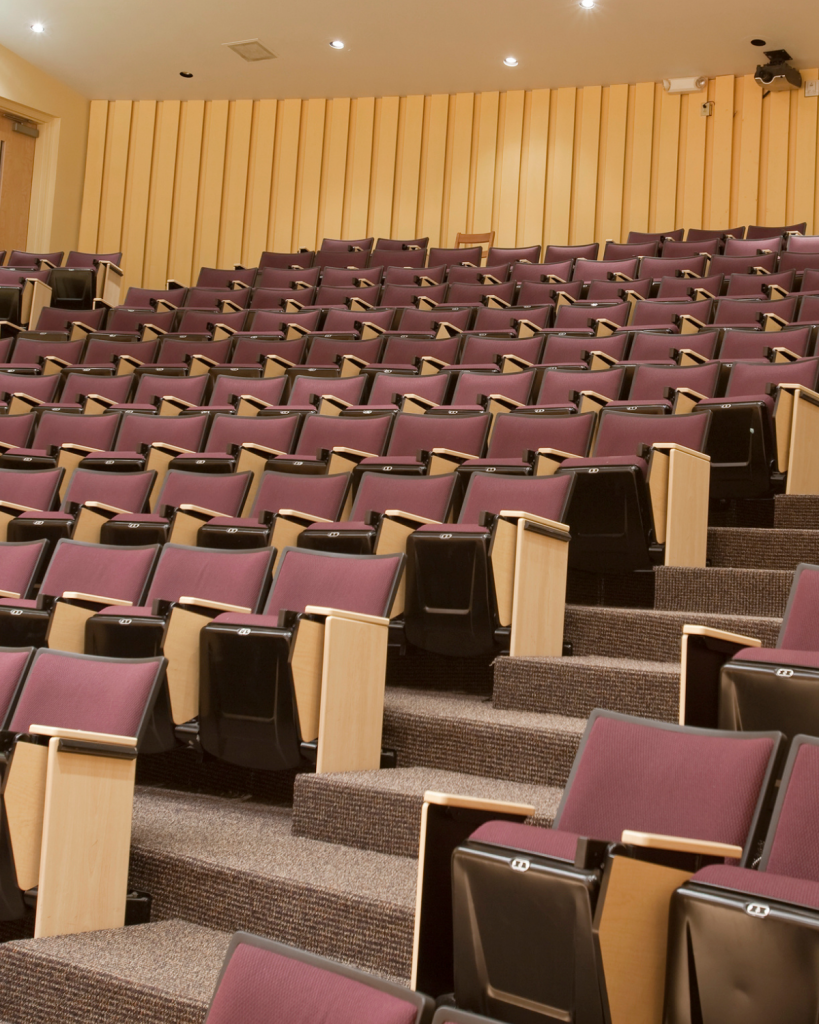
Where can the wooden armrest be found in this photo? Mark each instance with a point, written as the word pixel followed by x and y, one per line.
pixel 445 329
pixel 516 361
pixel 169 449
pixel 691 393
pixel 698 294
pixel 667 446
pixel 179 403
pixel 198 510
pixel 476 803
pixel 239 285
pixel 783 355
pixel 228 306
pixel 430 362
pixel 42 263
pixel 12 508
pixel 721 634
pixel 373 620
pixel 692 355
pixel 300 517
pixel 252 446
pixel 280 360
pixel 451 453
pixel 112 268
pixel 78 449
pixel 557 453
pixel 425 403
pixel 192 603
pixel 603 357
pixel 806 391
pixel 163 306
pixel 529 517
pixel 508 403
pixel 294 331
pixel 341 450
pixel 554 279
pixel 410 518
pixel 760 271
pixel 702 847
pixel 596 397
pixel 103 602
pixel 81 734
pixel 106 508
pixel 9 593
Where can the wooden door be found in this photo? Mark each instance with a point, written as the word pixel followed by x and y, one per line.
pixel 16 168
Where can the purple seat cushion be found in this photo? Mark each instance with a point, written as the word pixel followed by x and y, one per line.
pixel 240 619
pixel 391 460
pixel 51 516
pixel 17 602
pixel 233 521
pixel 259 986
pixel 609 460
pixel 759 883
pixel 549 842
pixel 339 527
pixel 451 528
pixel 779 656
pixel 132 517
pixel 11 669
pixel 131 611
pixel 39 453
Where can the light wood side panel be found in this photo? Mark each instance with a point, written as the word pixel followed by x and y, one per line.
pixel 722 148
pixel 359 167
pixel 510 157
pixel 259 181
pixel 457 199
pixel 181 648
pixel 137 192
pixel 804 181
pixel 160 201
pixel 666 184
pixel 503 557
pixel 186 190
pixel 115 170
pixel 94 169
pixel 641 144
pixel 392 540
pixel 777 162
pixel 407 165
pixel 482 172
pixel 584 203
pixel 632 925
pixel 334 169
pixel 158 460
pixel 352 695
pixel 611 208
pixel 234 186
pixel 541 567
pixel 686 539
pixel 24 797
pixel 382 182
pixel 433 157
pixel 559 181
pixel 282 233
pixel 66 630
pixel 86 843
pixel 533 167
pixel 694 164
pixel 803 463
pixel 211 178
pixel 749 153
pixel 306 666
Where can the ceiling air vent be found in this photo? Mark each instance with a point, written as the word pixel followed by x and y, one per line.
pixel 251 50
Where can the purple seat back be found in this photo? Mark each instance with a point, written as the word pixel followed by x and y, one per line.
pixel 798 632
pixel 325 351
pixel 329 295
pixel 477 292
pixel 621 433
pixel 212 574
pixel 18 258
pixel 143 428
pixel 265 320
pixel 346 319
pixel 65 427
pixel 760 231
pixel 222 493
pixel 656 236
pixel 748 311
pixel 755 284
pixel 809 309
pixel 106 570
pixel 286 259
pixel 53 319
pixel 625 250
pixel 545 496
pixel 385 385
pixel 470 254
pixel 346 244
pixel 488 319
pixel 30 350
pixel 349 389
pixel 570 350
pixel 647 346
pixel 583 314
pixel 751 379
pixel 10 278
pixel 487 350
pixel 681 287
pixel 365 435
pixel 553 253
pixel 700 234
pixel 140 298
pixel 13 664
pixel 529 253
pixel 612 290
pixel 415 258
pixel 427 496
pixel 274 277
pixel 792 849
pixel 742 264
pixel 102 349
pixel 251 347
pixel 320 496
pixel 128 491
pixel 391 244
pixel 271 431
pixel 76 691
pixel 32 488
pixel 751 246
pixel 658 267
pixel 198 321
pixel 155 385
pixel 256 979
pixel 663 311
pixel 649 382
pixel 514 434
pixel 407 350
pixel 340 277
pixel 130 319
pixel 636 774
pixel 38 386
pixel 78 385
pixel 209 277
pixel 803 243
pixel 426 319
pixel 536 272
pixel 473 275
pixel 517 386
pixel 405 295
pixel 354 583
pixel 337 258
pixel 410 275
pixel 678 248
pixel 599 270
pixel 16 430
pixel 88 260
pixel 209 298
pixel 459 433
pixel 268 389
pixel 19 565
pixel 557 385
pixel 176 350
pixel 744 344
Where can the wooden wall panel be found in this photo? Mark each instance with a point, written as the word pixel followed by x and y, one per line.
pixel 180 185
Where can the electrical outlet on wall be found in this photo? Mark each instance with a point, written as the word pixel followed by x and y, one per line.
pixel 812 87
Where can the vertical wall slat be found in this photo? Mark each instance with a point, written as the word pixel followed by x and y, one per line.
pixel 333 169
pixel 308 179
pixel 749 156
pixel 160 202
pixel 694 169
pixel 234 186
pixel 94 167
pixel 211 178
pixel 382 182
pixel 430 204
pixel 285 165
pixel 585 180
pixel 721 161
pixel 510 145
pixel 666 209
pixel 259 181
pixel 137 191
pixel 186 190
pixel 559 174
pixel 777 177
pixel 457 203
pixel 115 170
pixel 407 165
pixel 359 166
pixel 805 160
pixel 611 209
pixel 533 188
pixel 640 188
pixel 484 152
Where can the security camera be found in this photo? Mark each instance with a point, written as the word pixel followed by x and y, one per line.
pixel 777 75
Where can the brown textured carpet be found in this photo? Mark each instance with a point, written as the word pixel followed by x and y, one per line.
pixel 151 974
pixel 753 512
pixel 650 635
pixel 382 810
pixel 182 769
pixel 796 512
pixel 576 686
pixel 233 864
pixel 634 590
pixel 762 549
pixel 760 592
pixel 466 734
pixel 436 672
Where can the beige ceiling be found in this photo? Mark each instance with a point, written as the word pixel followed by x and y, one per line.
pixel 135 49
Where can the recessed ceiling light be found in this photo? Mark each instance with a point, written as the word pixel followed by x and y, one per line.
pixel 186 74
pixel 511 62
pixel 38 27
pixel 337 44
pixel 758 42
pixel 587 4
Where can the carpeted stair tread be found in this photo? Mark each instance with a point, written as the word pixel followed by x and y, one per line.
pixel 464 733
pixel 796 512
pixel 576 686
pixel 381 810
pixel 722 591
pixel 762 549
pixel 160 973
pixel 651 634
pixel 234 864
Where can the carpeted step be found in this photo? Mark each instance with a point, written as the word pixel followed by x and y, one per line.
pixel 382 810
pixel 796 512
pixel 161 973
pixel 463 733
pixel 722 591
pixel 234 864
pixel 762 549
pixel 650 635
pixel 742 512
pixel 575 686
